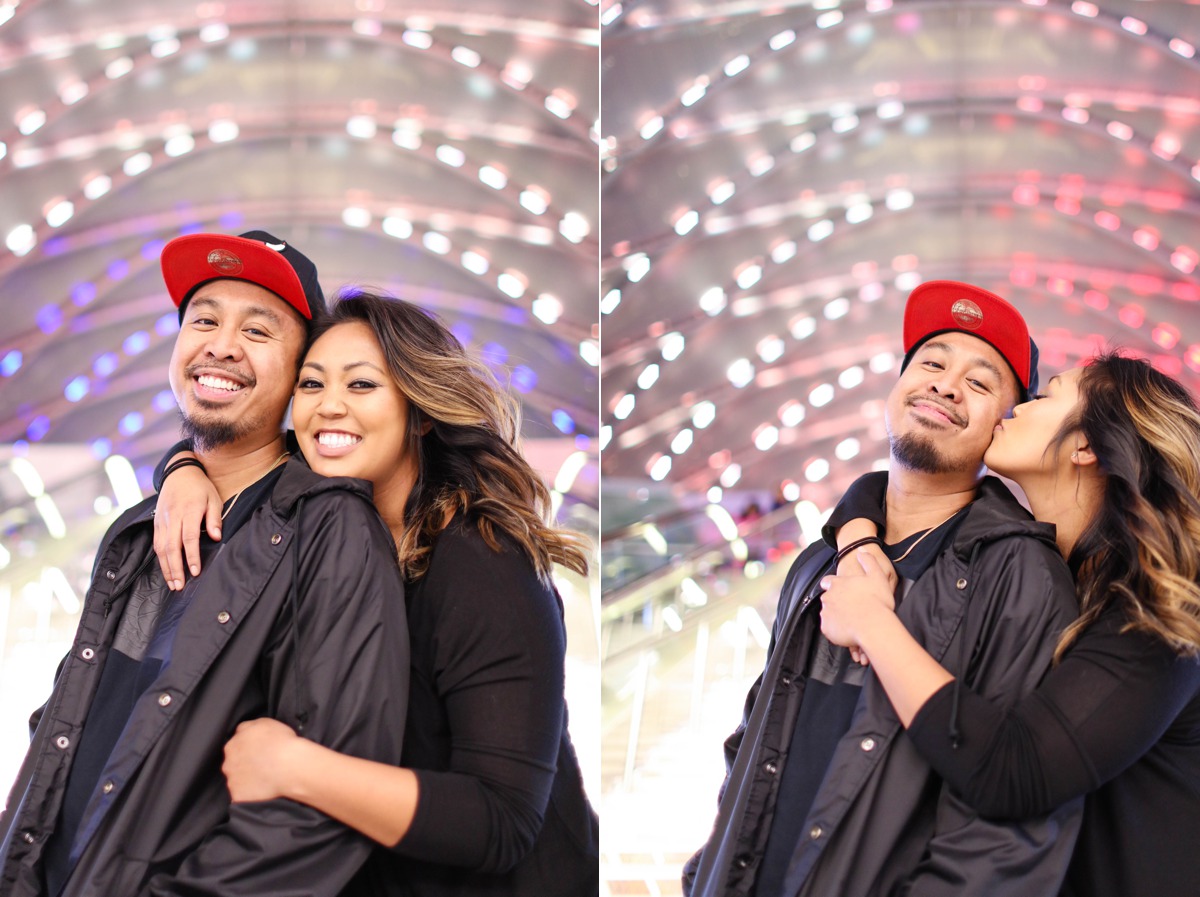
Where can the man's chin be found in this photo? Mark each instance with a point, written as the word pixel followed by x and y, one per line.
pixel 211 431
pixel 919 453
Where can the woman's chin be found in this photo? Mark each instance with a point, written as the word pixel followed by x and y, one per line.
pixel 995 463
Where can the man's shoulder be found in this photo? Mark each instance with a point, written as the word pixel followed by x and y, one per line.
pixel 142 512
pixel 996 517
pixel 299 482
pixel 814 558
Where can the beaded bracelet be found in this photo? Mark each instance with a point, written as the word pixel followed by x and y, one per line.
pixel 182 462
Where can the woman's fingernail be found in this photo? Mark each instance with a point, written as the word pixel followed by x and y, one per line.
pixel 195 570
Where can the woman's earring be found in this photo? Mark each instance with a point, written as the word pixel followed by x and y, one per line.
pixel 1074 456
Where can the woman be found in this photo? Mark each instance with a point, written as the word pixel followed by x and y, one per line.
pixel 1110 456
pixel 489 799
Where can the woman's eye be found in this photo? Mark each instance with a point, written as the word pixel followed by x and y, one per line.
pixel 1036 396
pixel 363 384
pixel 310 383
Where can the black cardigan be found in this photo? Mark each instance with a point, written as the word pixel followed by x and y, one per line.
pixel 502 810
pixel 1119 720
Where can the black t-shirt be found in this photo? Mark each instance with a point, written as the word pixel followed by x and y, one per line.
pixel 142 647
pixel 832 686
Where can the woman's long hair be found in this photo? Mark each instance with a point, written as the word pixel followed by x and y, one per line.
pixel 463 429
pixel 1142 549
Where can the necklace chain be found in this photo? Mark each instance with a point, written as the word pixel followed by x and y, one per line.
pixel 921 538
pixel 238 494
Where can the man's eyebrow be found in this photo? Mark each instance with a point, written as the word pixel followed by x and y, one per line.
pixel 260 311
pixel 977 361
pixel 980 361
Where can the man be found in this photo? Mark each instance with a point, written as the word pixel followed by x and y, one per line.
pixel 825 794
pixel 299 614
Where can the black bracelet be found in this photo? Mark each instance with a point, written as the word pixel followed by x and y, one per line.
pixel 182 462
pixel 857 543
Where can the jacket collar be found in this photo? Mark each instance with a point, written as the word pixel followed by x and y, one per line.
pixel 996 514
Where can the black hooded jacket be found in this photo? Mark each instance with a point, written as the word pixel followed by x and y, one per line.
pixel 307 634
pixel 989 608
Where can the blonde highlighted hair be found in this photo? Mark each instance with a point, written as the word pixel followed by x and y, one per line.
pixel 1142 549
pixel 463 427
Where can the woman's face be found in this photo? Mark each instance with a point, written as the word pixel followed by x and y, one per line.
pixel 350 417
pixel 1021 446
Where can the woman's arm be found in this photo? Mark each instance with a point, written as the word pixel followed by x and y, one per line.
pixel 186 501
pixel 1095 713
pixel 488 647
pixel 1098 711
pixel 859 611
pixel 265 759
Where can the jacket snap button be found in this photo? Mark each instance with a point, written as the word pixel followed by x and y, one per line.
pixel 111 574
pixel 276 539
pixel 786 680
pixel 961 584
pixel 223 617
pixel 742 862
pixel 867 744
pixel 87 653
pixel 27 837
pixel 815 832
pixel 108 787
pixel 770 767
pixel 164 699
pixel 62 742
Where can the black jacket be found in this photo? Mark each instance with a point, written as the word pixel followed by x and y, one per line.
pixel 166 825
pixel 989 609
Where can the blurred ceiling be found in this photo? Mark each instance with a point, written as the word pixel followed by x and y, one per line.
pixel 779 175
pixel 445 152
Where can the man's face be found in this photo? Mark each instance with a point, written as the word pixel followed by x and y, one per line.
pixel 234 363
pixel 941 413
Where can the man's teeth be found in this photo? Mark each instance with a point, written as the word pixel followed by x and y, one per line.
pixel 211 382
pixel 337 440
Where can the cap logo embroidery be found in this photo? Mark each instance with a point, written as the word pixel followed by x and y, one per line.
pixel 278 247
pixel 225 261
pixel 967 314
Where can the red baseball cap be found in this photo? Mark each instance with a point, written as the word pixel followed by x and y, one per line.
pixel 940 306
pixel 193 260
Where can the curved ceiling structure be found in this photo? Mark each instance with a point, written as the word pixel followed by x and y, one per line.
pixel 444 152
pixel 778 176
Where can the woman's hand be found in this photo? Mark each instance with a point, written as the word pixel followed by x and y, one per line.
pixel 257 760
pixel 851 603
pixel 187 500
